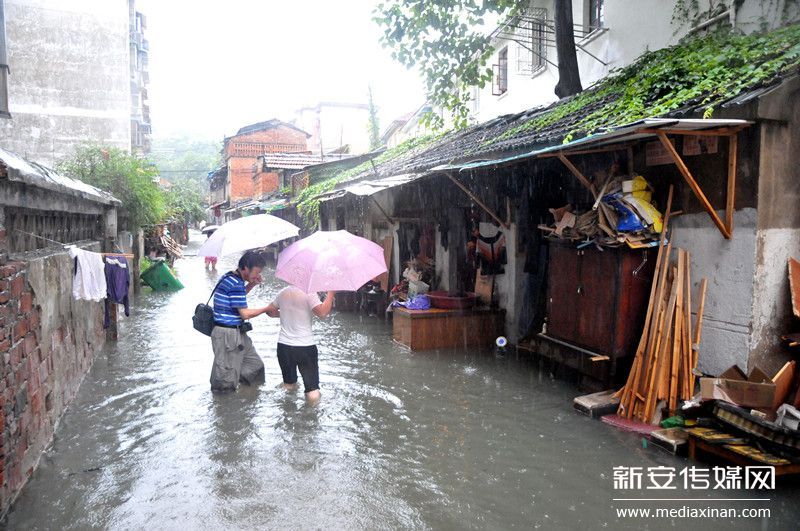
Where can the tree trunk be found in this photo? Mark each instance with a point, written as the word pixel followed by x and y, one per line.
pixel 569 78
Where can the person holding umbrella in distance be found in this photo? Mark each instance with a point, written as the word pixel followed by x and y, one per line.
pixel 325 261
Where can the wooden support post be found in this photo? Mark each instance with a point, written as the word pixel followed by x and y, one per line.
pixel 577 173
pixel 733 144
pixel 112 333
pixel 478 201
pixel 687 175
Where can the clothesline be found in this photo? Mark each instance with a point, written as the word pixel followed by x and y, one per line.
pixel 126 255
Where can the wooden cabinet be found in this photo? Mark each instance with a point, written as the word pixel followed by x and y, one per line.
pixel 597 299
pixel 438 328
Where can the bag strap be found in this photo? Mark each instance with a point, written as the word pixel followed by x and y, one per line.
pixel 218 283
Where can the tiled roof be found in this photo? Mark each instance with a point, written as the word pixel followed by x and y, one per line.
pixel 267 124
pixel 531 129
pixel 297 161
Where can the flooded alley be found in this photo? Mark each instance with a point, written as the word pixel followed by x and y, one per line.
pixel 400 440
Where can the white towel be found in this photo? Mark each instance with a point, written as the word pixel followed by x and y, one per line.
pixel 89 283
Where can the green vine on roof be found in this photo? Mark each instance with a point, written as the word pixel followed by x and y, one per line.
pixel 702 72
pixel 307 200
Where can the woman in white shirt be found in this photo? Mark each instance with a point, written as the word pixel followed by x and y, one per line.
pixel 297 348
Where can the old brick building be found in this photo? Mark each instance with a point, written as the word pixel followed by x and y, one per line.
pixel 235 184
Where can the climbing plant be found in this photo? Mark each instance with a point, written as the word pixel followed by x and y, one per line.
pixel 700 72
pixel 307 200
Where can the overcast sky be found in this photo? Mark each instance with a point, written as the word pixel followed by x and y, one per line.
pixel 215 66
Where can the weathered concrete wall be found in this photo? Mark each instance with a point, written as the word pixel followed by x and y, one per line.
pixel 48 341
pixel 778 225
pixel 70 76
pixel 729 266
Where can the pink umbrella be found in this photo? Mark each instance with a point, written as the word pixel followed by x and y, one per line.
pixel 330 261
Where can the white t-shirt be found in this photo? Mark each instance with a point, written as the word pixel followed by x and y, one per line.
pixel 296 316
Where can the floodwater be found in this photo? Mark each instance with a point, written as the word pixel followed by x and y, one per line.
pixel 443 440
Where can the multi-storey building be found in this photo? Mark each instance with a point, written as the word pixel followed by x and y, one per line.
pixel 140 79
pixel 76 73
pixel 234 184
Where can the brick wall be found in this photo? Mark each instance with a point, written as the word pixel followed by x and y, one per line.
pixel 240 178
pixel 265 183
pixel 242 151
pixel 47 344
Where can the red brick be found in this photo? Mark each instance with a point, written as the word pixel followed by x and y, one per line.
pixel 29 344
pixel 5 296
pixel 5 344
pixel 26 302
pixel 17 285
pixel 16 355
pixel 34 320
pixel 20 329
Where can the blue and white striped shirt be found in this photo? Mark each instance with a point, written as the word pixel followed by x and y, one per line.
pixel 229 297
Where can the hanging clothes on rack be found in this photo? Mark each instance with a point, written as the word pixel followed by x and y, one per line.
pixel 89 283
pixel 118 281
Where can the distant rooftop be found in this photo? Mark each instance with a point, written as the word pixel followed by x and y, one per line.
pixel 266 125
pixel 298 161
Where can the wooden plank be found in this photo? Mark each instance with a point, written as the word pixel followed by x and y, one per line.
pixel 783 381
pixel 657 376
pixel 676 335
pixel 478 201
pixel 571 152
pixel 577 173
pixel 730 199
pixel 687 175
pixel 687 325
pixel 638 366
pixel 794 285
pixel 698 329
pixel 722 131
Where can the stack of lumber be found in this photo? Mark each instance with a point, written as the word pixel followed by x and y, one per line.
pixel 663 368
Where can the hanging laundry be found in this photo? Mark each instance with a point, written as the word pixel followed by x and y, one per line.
pixel 90 278
pixel 118 281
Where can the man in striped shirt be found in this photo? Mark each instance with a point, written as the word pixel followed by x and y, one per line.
pixel 235 358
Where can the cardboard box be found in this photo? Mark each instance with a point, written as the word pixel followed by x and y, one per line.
pixel 753 390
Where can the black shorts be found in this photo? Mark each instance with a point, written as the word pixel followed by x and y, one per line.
pixel 304 358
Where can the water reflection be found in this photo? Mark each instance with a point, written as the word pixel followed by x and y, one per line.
pixel 445 439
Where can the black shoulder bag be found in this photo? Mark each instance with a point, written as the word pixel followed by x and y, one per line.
pixel 203 318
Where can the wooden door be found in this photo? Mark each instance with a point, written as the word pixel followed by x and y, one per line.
pixel 597 308
pixel 562 292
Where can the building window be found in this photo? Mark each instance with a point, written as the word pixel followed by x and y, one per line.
pixel 596 9
pixel 530 34
pixel 500 73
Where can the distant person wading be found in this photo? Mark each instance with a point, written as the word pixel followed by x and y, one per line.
pixel 235 359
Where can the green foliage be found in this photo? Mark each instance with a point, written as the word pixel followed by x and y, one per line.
pixel 690 13
pixel 185 200
pixel 443 40
pixel 373 126
pixel 128 177
pixel 307 201
pixel 698 72
pixel 185 156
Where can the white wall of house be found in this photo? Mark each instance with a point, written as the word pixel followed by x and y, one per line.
pixel 629 29
pixel 70 76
